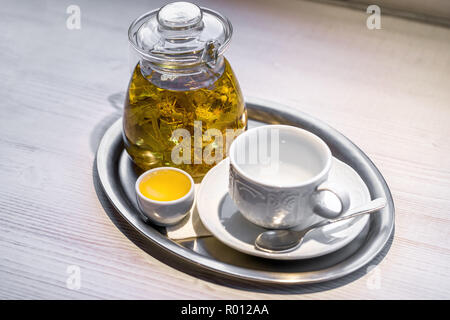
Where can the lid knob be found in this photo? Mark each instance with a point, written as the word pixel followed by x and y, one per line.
pixel 179 15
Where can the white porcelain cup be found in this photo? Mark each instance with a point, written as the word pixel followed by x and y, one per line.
pixel 278 178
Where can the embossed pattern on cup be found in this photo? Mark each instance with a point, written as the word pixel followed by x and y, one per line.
pixel 271 207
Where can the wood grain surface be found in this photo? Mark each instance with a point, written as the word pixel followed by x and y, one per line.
pixel 388 90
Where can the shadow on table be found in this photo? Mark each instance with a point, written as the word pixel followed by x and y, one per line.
pixel 201 272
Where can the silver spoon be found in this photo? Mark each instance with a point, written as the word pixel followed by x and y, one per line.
pixel 281 241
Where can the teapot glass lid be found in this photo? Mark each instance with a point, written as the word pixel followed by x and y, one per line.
pixel 180 33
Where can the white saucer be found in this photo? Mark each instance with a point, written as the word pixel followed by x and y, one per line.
pixel 220 216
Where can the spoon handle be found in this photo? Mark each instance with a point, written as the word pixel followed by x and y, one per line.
pixel 372 206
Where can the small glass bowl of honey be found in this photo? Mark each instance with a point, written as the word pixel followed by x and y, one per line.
pixel 165 195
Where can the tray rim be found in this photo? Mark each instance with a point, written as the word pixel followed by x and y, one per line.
pixel 349 265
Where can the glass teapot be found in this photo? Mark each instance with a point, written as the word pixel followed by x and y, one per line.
pixel 184 105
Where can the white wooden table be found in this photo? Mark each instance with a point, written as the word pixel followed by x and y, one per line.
pixel 388 90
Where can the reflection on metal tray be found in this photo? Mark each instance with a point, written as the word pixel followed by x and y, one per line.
pixel 211 254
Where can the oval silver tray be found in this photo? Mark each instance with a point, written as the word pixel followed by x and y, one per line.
pixel 210 254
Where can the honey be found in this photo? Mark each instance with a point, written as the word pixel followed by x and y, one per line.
pixel 152 114
pixel 165 185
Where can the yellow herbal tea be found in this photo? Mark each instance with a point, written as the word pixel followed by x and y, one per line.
pixel 152 114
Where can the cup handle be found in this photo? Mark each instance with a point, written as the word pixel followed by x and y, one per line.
pixel 320 207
